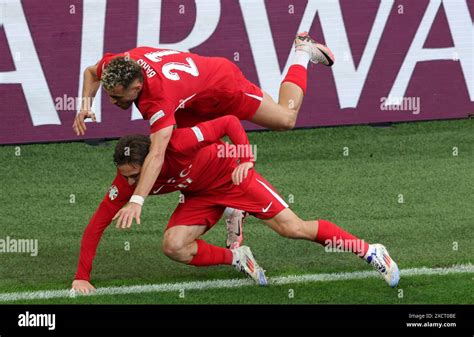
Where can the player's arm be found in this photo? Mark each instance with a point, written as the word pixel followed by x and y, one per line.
pixel 149 173
pixel 231 126
pixel 101 219
pixel 191 139
pixel 89 243
pixel 90 87
pixel 188 140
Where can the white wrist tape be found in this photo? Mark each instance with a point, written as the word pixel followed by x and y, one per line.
pixel 137 199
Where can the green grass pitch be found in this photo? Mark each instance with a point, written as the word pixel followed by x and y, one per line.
pixel 360 191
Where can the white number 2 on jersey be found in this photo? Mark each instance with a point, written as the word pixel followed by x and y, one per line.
pixel 189 68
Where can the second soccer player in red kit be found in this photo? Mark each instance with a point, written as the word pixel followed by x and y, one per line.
pixel 172 88
pixel 209 182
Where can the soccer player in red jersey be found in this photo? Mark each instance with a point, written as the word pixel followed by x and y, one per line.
pixel 175 88
pixel 196 164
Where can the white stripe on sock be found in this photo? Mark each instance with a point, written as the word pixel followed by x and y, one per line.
pixel 302 58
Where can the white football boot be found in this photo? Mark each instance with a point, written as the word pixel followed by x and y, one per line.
pixel 244 261
pixel 378 257
pixel 234 221
pixel 319 52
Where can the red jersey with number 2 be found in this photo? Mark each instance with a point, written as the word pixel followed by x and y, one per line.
pixel 202 88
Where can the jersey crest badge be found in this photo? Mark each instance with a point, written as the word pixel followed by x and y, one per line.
pixel 113 192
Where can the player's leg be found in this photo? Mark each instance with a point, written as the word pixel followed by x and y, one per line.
pixel 277 117
pixel 181 242
pixel 288 224
pixel 234 218
pixel 262 200
pixel 283 115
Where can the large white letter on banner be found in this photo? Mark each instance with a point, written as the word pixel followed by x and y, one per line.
pixel 149 22
pixel 29 72
pixel 349 80
pixel 462 31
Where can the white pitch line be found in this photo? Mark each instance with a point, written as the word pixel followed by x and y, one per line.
pixel 231 283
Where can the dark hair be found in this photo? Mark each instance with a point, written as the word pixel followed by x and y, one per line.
pixel 121 71
pixel 131 150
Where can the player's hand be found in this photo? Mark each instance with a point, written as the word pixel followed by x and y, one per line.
pixel 126 215
pixel 82 286
pixel 79 125
pixel 241 172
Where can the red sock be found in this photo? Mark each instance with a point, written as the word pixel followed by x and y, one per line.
pixel 297 74
pixel 209 255
pixel 335 237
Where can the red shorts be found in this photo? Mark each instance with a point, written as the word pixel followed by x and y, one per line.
pixel 239 97
pixel 255 196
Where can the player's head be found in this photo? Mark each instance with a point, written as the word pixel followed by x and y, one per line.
pixel 123 81
pixel 129 155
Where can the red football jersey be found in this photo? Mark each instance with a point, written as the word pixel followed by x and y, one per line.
pixel 195 161
pixel 206 86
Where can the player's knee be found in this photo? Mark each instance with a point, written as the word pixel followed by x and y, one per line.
pixel 290 123
pixel 172 247
pixel 286 123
